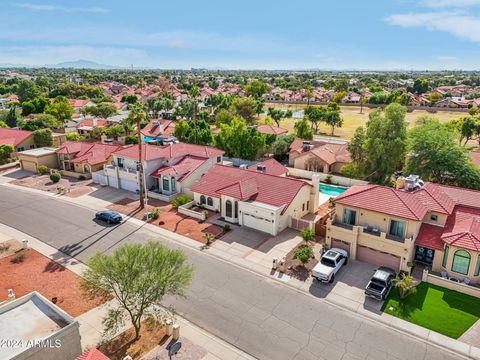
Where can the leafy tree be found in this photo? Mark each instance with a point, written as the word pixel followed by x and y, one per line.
pixel 27 108
pixel 12 117
pixel 223 116
pixel 27 90
pixel 420 86
pixel 162 103
pixel 219 101
pixel 60 108
pixel 3 125
pixel 435 155
pixel 351 171
pixel 260 103
pixel 131 139
pixel 115 131
pixel 303 130
pixel 42 121
pixel 385 142
pixel 379 97
pixel 130 99
pixel 195 132
pixel 40 104
pixel 304 253
pixel 406 285
pixel 315 114
pixel 245 107
pixel 281 146
pixel 187 109
pixel 256 89
pixel 337 98
pixel 73 136
pixel 468 128
pixel 239 141
pixel 333 119
pixel 138 277
pixel 43 137
pixel 5 151
pixel 356 146
pixel 434 98
pixel 103 110
pixel 278 115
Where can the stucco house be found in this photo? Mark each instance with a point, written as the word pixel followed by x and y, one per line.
pixel 271 130
pixel 158 130
pixel 269 166
pixel 432 224
pixel 318 156
pixel 77 158
pixel 169 170
pixel 21 140
pixel 255 199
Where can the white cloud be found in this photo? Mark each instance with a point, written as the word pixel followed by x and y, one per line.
pixel 48 7
pixel 44 55
pixel 458 24
pixel 450 3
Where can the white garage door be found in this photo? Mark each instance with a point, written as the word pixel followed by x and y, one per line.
pixel 378 258
pixel 99 177
pixel 128 185
pixel 258 223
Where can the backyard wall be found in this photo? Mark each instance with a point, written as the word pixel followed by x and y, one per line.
pixel 460 287
pixel 336 180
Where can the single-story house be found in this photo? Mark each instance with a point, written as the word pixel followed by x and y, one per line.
pixel 31 159
pixel 269 166
pixel 21 140
pixel 86 126
pixel 255 199
pixel 158 130
pixel 318 156
pixel 77 158
pixel 271 130
pixel 79 104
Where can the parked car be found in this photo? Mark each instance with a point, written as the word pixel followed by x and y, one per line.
pixel 110 217
pixel 381 283
pixel 329 265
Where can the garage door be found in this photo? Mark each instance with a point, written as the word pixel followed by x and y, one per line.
pixel 258 223
pixel 341 245
pixel 29 166
pixel 128 185
pixel 378 258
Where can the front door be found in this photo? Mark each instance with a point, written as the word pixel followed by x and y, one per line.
pixel 424 255
pixel 231 211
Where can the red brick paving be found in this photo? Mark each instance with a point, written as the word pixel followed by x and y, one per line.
pixel 38 272
pixel 172 220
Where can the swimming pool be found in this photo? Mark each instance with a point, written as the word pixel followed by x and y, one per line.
pixel 331 190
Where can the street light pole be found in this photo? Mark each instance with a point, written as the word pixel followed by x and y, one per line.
pixel 140 166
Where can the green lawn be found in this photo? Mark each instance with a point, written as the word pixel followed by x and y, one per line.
pixel 442 310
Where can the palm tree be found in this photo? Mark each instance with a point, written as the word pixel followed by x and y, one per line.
pixel 136 116
pixel 406 285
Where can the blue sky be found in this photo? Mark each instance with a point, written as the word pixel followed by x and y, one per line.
pixel 247 34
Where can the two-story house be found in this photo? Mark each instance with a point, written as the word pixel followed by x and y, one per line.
pixel 431 224
pixel 255 198
pixel 169 170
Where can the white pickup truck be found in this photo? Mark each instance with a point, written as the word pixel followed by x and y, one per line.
pixel 329 265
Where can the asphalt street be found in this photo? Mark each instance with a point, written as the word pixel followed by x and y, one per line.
pixel 258 315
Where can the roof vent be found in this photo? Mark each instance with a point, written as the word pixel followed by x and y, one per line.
pixel 261 168
pixel 243 166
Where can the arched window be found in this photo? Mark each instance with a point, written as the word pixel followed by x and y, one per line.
pixel 461 262
pixel 228 209
pixel 202 199
pixel 236 209
pixel 209 201
pixel 86 168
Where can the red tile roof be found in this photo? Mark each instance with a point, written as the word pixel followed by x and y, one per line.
pixel 89 122
pixel 77 103
pixel 463 229
pixel 430 236
pixel 157 128
pixel 92 354
pixel 13 136
pixel 271 130
pixel 330 153
pixel 243 184
pixel 91 153
pixel 273 167
pixel 182 169
pixel 460 196
pixel 151 152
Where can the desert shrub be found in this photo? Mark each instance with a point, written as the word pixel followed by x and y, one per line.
pixel 55 177
pixel 181 200
pixel 18 259
pixel 226 228
pixel 155 214
pixel 304 254
pixel 307 234
pixel 42 169
pixel 328 179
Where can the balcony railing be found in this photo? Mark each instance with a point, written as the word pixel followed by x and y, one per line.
pixel 372 231
pixel 342 225
pixel 395 238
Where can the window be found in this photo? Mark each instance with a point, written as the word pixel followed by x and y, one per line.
pixel 174 185
pixel 303 207
pixel 202 199
pixel 433 217
pixel 308 204
pixel 445 257
pixel 349 216
pixel 461 262
pixel 219 158
pixel 21 148
pixel 120 162
pixel 166 185
pixel 397 228
pixel 228 208
pixel 32 146
pixel 209 201
pixel 477 268
pixel 236 209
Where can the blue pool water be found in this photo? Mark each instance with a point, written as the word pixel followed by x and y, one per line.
pixel 331 190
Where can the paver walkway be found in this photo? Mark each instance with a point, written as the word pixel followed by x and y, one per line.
pixel 472 335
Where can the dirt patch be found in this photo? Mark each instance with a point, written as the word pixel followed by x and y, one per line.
pixel 73 186
pixel 122 345
pixel 37 272
pixel 295 268
pixel 169 218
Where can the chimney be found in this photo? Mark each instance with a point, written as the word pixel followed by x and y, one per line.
pixel 314 193
pixel 162 128
pixel 94 121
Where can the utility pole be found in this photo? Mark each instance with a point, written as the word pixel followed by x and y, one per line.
pixel 140 165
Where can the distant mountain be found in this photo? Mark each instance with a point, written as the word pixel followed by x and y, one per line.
pixel 82 64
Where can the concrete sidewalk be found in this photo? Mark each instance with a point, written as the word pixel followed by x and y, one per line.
pixel 91 322
pixel 260 268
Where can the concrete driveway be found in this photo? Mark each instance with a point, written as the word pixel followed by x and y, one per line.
pixel 348 288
